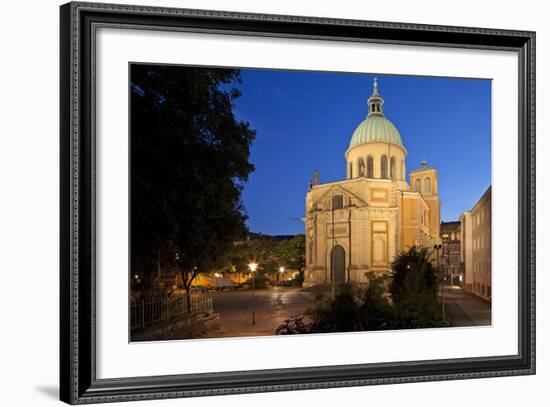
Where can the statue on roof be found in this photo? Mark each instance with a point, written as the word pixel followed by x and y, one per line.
pixel 315 177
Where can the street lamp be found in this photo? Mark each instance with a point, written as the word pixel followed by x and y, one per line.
pixel 253 266
pixel 281 272
pixel 437 248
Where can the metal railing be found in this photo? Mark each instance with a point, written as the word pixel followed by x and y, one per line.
pixel 151 312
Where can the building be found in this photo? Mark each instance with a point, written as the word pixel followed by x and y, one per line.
pixel 450 260
pixel 361 223
pixel 476 247
pixel 466 249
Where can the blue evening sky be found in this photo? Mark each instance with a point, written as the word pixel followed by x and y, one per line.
pixel 304 121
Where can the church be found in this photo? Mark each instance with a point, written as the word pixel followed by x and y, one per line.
pixel 359 224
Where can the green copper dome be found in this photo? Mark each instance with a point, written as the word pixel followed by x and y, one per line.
pixel 375 128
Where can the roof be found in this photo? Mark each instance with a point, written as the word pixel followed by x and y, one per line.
pixel 375 129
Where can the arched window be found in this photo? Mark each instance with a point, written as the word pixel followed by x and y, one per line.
pixel 337 202
pixel 417 185
pixel 392 168
pixel 427 185
pixel 370 167
pixel 361 165
pixel 351 169
pixel 402 170
pixel 384 167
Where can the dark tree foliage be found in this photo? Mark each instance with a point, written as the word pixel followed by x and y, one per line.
pixel 353 308
pixel 413 292
pixel 292 253
pixel 189 160
pixel 375 311
pixel 336 314
pixel 414 289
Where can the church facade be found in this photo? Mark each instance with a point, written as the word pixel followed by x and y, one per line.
pixel 361 223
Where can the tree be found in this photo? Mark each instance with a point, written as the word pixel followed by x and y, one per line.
pixel 189 160
pixel 291 253
pixel 375 310
pixel 414 289
pixel 270 253
pixel 340 313
pixel 413 303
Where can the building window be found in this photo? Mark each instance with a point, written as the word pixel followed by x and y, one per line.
pixel 337 202
pixel 361 165
pixel 417 185
pixel 402 170
pixel 351 169
pixel 384 167
pixel 427 185
pixel 370 167
pixel 392 167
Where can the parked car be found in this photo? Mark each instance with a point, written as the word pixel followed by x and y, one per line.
pixel 221 284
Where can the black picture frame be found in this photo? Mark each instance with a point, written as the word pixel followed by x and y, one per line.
pixel 78 382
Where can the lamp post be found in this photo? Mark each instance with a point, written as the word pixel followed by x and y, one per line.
pixel 253 266
pixel 437 247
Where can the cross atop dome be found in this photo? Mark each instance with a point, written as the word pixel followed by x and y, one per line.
pixel 375 87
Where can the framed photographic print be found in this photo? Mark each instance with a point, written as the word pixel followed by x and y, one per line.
pixel 255 203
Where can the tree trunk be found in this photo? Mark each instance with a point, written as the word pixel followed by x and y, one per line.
pixel 187 280
pixel 188 300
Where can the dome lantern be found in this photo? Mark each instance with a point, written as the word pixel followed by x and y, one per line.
pixel 375 101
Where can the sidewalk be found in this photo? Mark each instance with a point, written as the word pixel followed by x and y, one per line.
pixel 465 309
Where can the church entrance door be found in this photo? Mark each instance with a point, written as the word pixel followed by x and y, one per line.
pixel 338 262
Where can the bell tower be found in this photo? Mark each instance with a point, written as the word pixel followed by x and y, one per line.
pixel 424 181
